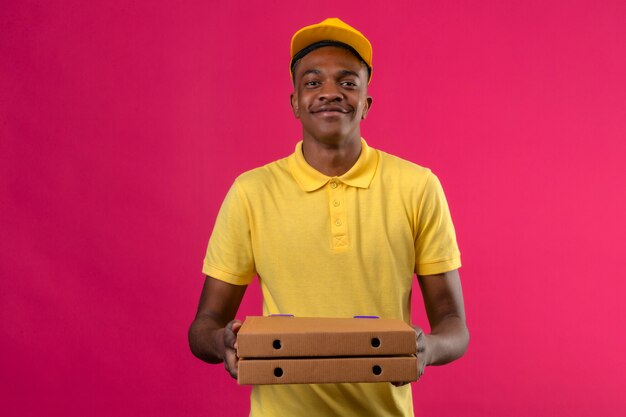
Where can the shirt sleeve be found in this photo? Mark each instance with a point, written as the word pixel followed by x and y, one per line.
pixel 436 249
pixel 229 256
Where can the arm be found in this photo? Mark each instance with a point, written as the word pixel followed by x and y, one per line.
pixel 213 333
pixel 449 336
pixel 448 339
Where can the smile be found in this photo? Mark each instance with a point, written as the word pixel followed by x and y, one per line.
pixel 330 109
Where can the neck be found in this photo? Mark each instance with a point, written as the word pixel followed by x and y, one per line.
pixel 332 160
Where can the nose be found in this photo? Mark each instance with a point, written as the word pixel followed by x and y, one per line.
pixel 330 92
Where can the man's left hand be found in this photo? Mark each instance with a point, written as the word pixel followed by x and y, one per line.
pixel 421 340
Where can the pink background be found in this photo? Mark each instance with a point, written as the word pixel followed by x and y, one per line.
pixel 122 125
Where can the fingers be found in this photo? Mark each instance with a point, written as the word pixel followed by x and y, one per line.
pixel 230 334
pixel 420 367
pixel 230 347
pixel 235 325
pixel 419 339
pixel 420 372
pixel 420 343
pixel 230 362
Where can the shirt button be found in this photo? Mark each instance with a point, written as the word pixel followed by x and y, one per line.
pixel 333 184
pixel 336 203
pixel 338 222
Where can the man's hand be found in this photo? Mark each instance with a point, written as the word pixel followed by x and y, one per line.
pixel 423 353
pixel 421 341
pixel 448 339
pixel 231 359
pixel 213 333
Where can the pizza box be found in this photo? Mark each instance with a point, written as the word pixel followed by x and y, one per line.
pixel 327 370
pixel 287 337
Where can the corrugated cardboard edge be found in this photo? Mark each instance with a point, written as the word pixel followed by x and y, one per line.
pixel 327 370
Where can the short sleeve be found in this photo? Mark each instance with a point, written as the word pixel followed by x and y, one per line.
pixel 436 249
pixel 229 256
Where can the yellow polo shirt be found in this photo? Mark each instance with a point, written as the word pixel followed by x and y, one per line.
pixel 333 247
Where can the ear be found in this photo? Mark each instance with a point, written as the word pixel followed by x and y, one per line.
pixel 294 104
pixel 366 108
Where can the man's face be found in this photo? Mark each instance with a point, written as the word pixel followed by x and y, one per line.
pixel 330 95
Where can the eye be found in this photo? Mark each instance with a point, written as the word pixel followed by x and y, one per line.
pixel 311 84
pixel 348 84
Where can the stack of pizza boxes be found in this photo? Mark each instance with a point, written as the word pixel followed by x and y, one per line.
pixel 302 350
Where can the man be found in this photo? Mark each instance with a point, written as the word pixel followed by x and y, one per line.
pixel 337 229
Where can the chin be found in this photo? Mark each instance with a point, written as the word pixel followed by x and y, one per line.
pixel 333 137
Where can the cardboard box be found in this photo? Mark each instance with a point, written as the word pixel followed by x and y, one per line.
pixel 304 350
pixel 327 370
pixel 273 337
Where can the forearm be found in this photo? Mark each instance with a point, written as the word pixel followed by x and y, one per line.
pixel 447 341
pixel 206 339
pixel 212 333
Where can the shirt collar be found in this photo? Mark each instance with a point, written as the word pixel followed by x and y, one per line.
pixel 309 179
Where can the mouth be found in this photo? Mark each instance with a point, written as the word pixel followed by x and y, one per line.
pixel 330 112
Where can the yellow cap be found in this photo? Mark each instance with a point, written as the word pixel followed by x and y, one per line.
pixel 332 29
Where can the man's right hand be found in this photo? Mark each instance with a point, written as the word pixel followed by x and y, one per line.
pixel 231 359
pixel 213 333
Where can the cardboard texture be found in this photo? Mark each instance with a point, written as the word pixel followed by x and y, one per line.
pixel 327 370
pixel 305 350
pixel 272 337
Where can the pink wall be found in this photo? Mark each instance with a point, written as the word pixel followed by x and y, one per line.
pixel 122 124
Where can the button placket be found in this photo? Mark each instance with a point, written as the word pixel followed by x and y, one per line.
pixel 338 215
